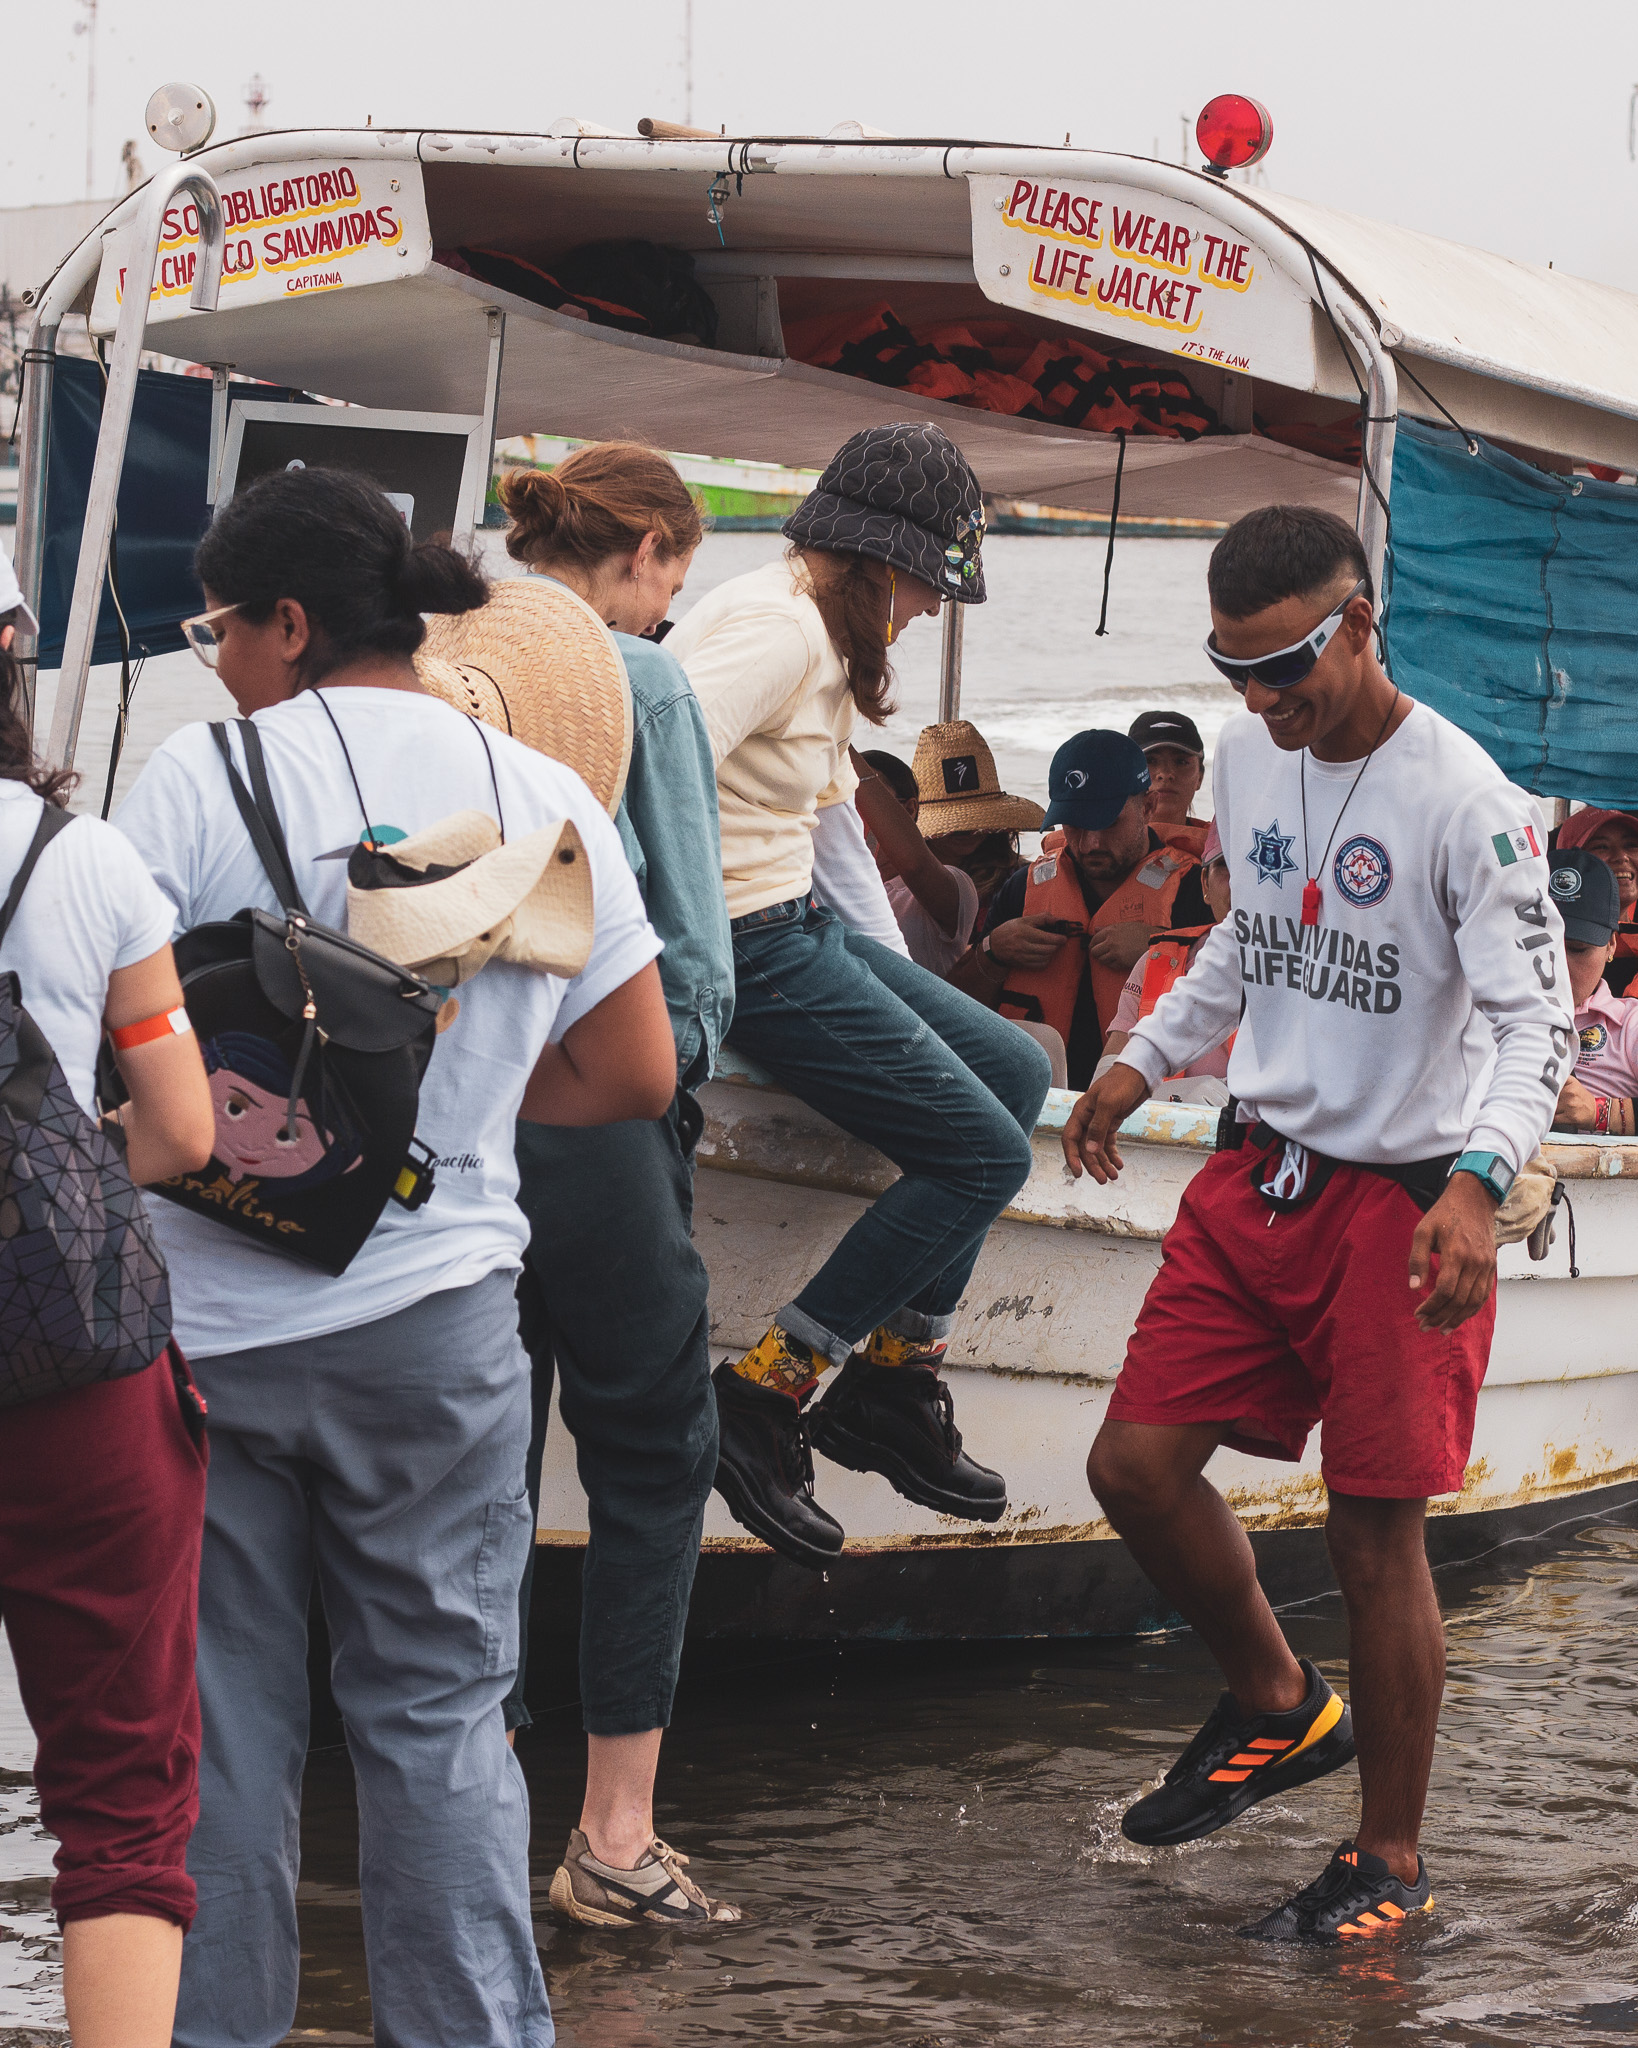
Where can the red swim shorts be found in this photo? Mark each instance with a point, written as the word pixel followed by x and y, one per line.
pixel 1266 1323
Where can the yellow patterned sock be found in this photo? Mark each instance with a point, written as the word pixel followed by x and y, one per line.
pixel 783 1363
pixel 887 1347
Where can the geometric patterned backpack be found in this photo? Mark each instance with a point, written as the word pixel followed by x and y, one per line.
pixel 84 1295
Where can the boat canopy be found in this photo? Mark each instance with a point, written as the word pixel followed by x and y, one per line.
pixel 1545 363
pixel 362 264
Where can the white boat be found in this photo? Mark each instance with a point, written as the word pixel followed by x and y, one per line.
pixel 1281 312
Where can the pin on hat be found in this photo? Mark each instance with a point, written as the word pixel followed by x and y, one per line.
pixel 1092 778
pixel 960 790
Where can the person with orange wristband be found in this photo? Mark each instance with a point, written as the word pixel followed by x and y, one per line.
pixel 102 1469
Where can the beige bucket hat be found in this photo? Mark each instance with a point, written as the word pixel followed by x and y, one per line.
pixel 536 661
pixel 449 899
pixel 960 790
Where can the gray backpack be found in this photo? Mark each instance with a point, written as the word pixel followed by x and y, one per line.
pixel 84 1295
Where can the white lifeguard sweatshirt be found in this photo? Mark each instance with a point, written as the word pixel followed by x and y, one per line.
pixel 1428 1010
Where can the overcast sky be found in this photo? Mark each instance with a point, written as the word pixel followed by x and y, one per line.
pixel 1498 124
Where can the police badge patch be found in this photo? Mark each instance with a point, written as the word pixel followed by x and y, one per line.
pixel 1270 854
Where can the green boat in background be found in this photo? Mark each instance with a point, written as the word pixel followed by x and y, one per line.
pixel 758 497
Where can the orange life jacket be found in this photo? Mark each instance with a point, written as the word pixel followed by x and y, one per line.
pixel 1168 962
pixel 1189 835
pixel 1046 995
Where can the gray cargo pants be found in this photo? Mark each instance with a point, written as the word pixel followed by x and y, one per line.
pixel 387 1461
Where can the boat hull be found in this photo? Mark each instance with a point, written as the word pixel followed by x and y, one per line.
pixel 1032 1361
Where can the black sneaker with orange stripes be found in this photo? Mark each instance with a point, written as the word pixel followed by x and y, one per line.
pixel 1356 1895
pixel 1238 1759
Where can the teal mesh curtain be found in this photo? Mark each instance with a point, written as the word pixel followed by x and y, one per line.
pixel 1514 611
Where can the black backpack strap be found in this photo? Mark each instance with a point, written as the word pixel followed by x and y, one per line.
pixel 259 813
pixel 52 821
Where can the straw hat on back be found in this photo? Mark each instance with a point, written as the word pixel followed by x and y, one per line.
pixel 536 661
pixel 960 790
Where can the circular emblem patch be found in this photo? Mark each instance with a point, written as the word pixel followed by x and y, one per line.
pixel 1565 882
pixel 1363 871
pixel 1594 1038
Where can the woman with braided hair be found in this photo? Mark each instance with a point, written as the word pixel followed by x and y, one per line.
pixel 785 662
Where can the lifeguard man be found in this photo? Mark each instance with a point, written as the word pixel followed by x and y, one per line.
pixel 1069 926
pixel 1394 940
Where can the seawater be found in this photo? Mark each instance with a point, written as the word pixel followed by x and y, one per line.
pixel 927 1844
pixel 1035 669
pixel 927 1848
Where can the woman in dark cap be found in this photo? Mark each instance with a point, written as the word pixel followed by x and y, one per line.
pixel 785 661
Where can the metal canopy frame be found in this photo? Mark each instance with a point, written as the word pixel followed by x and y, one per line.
pixel 807 222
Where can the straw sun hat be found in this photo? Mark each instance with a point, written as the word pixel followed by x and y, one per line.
pixel 536 661
pixel 448 900
pixel 960 791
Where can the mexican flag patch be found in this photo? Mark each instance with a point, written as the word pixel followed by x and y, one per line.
pixel 1512 846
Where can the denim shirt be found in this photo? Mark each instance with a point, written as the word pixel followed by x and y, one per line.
pixel 668 822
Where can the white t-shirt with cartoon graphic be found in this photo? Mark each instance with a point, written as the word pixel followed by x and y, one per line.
pixel 417 761
pixel 1428 1010
pixel 90 906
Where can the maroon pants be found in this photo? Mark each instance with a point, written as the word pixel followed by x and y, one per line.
pixel 102 1501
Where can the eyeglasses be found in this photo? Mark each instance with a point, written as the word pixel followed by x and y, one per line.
pixel 1286 666
pixel 200 633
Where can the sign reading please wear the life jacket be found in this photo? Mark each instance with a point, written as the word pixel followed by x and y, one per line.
pixel 289 230
pixel 1135 266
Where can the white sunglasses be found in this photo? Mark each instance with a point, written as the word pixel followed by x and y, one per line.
pixel 200 633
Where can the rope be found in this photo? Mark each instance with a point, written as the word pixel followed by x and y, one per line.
pixel 1114 515
pixel 1470 439
pixel 1367 419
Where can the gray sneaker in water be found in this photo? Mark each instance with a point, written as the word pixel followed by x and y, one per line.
pixel 596 1894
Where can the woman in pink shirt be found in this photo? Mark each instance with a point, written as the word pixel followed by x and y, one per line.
pixel 1599 1095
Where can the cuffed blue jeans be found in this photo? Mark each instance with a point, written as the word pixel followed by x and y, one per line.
pixel 387 1462
pixel 947 1089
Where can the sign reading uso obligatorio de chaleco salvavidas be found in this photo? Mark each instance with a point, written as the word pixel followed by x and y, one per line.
pixel 289 229
pixel 1131 264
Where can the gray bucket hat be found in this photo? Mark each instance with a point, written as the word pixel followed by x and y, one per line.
pixel 905 495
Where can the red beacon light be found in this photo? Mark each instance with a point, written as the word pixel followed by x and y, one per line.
pixel 1233 131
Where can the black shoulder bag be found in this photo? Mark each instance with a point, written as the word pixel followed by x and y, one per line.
pixel 315 1047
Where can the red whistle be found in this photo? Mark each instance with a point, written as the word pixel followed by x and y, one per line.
pixel 1310 903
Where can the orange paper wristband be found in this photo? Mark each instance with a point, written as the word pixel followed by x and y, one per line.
pixel 144 1033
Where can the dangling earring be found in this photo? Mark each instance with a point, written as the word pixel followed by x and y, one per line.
pixel 892 599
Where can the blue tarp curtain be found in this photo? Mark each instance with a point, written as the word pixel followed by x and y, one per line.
pixel 162 508
pixel 1513 610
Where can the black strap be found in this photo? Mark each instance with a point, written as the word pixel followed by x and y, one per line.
pixel 52 821
pixel 260 814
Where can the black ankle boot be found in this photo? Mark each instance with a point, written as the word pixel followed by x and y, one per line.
pixel 899 1420
pixel 765 1471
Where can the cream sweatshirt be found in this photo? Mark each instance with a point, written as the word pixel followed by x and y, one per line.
pixel 1428 1010
pixel 780 714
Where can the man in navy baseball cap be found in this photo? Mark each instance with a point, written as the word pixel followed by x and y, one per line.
pixel 1067 929
pixel 1092 779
